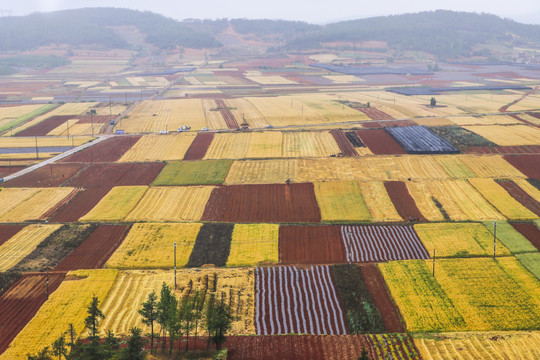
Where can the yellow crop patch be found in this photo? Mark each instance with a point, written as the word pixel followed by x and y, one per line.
pixel 490 166
pixel 309 144
pixel 150 246
pixel 116 204
pixel 508 135
pixel 341 200
pixel 254 244
pixel 159 148
pixel 29 204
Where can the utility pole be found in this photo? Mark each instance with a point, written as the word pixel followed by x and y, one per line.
pixel 47 283
pixel 433 262
pixel 494 238
pixel 37 151
pixel 174 265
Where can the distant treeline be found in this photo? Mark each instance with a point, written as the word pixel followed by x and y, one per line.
pixel 91 26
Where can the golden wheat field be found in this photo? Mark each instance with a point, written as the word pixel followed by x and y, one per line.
pixel 511 345
pixel 245 112
pixel 117 204
pixel 214 118
pixel 235 286
pixel 185 203
pixel 23 243
pixel 30 204
pixel 67 305
pixel 511 135
pixel 490 166
pixel 15 142
pixel 159 148
pixel 458 199
pixel 309 144
pixel 484 120
pixel 254 244
pixel 341 200
pixel 150 246
pixel 229 146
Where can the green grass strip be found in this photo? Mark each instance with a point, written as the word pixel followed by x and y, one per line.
pixel 531 262
pixel 25 117
pixel 510 237
pixel 204 172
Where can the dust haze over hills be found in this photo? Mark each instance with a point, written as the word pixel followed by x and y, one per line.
pixel 441 33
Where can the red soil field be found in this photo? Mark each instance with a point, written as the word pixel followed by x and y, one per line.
pixel 375 284
pixel 403 201
pixel 294 300
pixel 298 347
pixel 97 119
pixel 96 249
pixel 8 170
pixel 527 164
pixel 20 303
pixel 530 231
pixel 379 142
pixel 52 175
pixel 383 124
pixel 109 150
pixel 46 126
pixel 7 231
pixel 117 174
pixel 80 205
pixel 230 120
pixel 521 196
pixel 61 203
pixel 525 149
pixel 199 146
pixel 375 114
pixel 310 245
pixel 347 149
pixel 279 203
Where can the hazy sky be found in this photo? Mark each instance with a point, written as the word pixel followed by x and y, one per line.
pixel 314 11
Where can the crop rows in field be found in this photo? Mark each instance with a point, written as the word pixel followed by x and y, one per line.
pixel 511 135
pixel 293 300
pixel 419 140
pixel 159 148
pixel 21 204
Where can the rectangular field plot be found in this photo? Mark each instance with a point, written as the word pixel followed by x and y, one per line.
pixel 23 243
pixel 150 246
pixel 310 245
pixel 502 200
pixel 263 203
pixel 159 148
pixel 512 239
pixel 212 246
pixel 199 146
pixel 381 243
pixel 419 140
pixel 508 135
pixel 512 345
pixel 171 204
pixel 379 142
pixel 459 240
pixel 117 204
pixel 457 200
pixel 47 176
pixel 527 164
pixel 309 144
pixel 254 244
pixel 67 305
pixel 523 192
pixel 341 200
pixel 131 289
pixel 208 172
pixel 22 204
pixel 117 174
pixel 293 300
pixel 491 166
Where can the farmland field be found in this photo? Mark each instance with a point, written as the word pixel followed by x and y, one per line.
pixel 209 172
pixel 33 205
pixel 508 135
pixel 311 245
pixel 340 200
pixel 117 204
pixel 159 148
pixel 254 244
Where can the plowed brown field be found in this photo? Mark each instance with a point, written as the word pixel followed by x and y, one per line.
pixel 8 170
pixel 96 249
pixel 46 126
pixel 375 283
pixel 263 203
pixel 120 174
pixel 19 304
pixel 7 231
pixel 230 120
pixel 403 201
pixel 527 164
pixel 109 150
pixel 81 204
pixel 386 123
pixel 347 149
pixel 521 195
pixel 310 245
pixel 375 114
pixel 379 142
pixel 52 175
pixel 199 146
pixel 530 231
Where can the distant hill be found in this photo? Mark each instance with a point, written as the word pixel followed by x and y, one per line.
pixel 442 33
pixel 91 26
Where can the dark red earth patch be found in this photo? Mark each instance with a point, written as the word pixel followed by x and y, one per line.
pixel 51 175
pixel 8 170
pixel 80 205
pixel 347 149
pixel 380 143
pixel 21 301
pixel 403 201
pixel 46 126
pixel 96 249
pixel 376 286
pixel 383 124
pixel 117 174
pixel 530 231
pixel 527 164
pixel 520 195
pixel 278 203
pixel 311 245
pixel 229 118
pixel 7 231
pixel 375 114
pixel 199 146
pixel 109 150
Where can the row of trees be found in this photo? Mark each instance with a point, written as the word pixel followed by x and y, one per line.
pixel 176 317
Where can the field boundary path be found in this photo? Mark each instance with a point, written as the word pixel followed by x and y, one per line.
pixel 57 157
